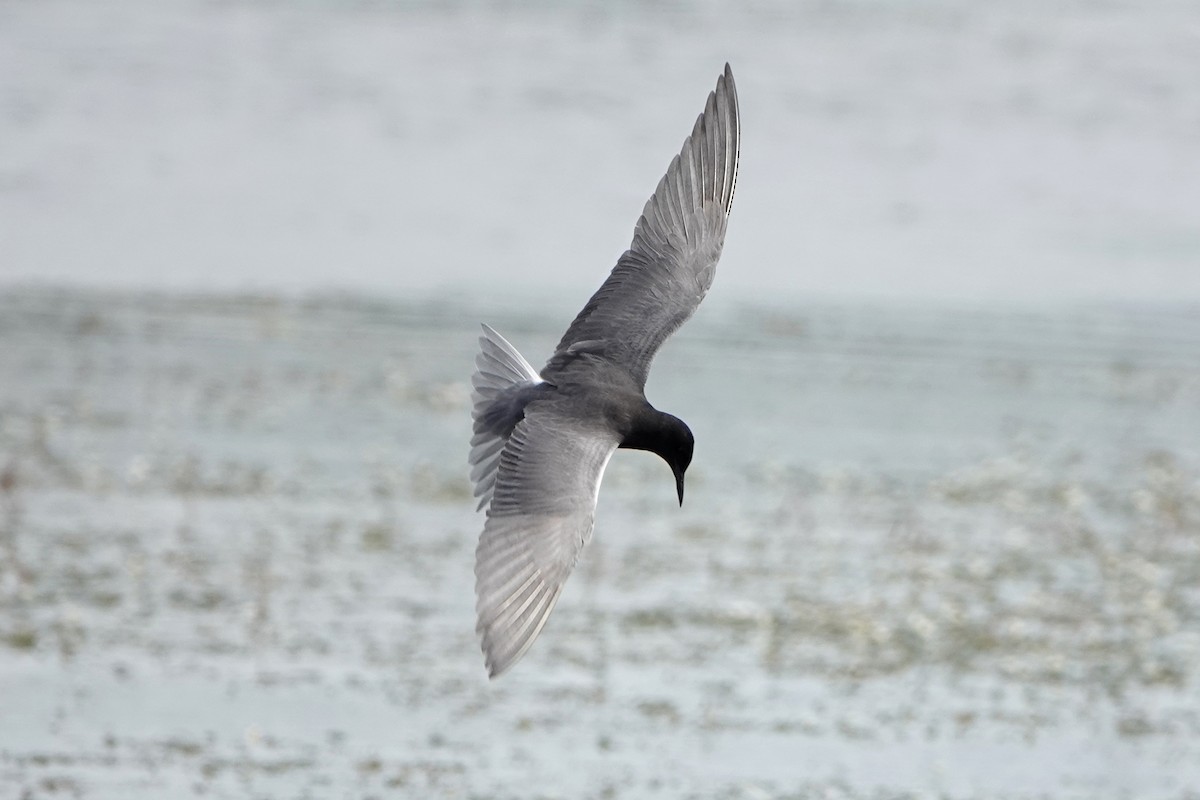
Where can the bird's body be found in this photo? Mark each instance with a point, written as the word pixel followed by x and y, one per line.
pixel 543 439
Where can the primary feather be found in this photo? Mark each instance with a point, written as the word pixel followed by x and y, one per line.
pixel 660 280
pixel 539 521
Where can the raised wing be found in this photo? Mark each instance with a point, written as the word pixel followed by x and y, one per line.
pixel 661 279
pixel 543 506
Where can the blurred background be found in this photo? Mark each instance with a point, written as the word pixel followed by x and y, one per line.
pixel 942 534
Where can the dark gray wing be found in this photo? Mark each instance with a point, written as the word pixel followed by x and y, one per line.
pixel 661 279
pixel 543 505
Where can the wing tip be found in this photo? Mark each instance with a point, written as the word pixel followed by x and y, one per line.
pixel 733 122
pixel 713 148
pixel 721 118
pixel 495 668
pixel 499 667
pixel 501 653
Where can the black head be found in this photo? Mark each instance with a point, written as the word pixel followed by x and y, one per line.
pixel 676 446
pixel 668 437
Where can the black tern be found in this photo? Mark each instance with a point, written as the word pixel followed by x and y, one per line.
pixel 542 440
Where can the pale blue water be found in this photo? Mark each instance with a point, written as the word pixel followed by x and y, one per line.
pixel 924 550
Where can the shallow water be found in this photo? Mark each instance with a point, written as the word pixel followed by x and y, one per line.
pixel 926 550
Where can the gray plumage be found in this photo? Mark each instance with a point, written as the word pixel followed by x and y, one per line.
pixel 542 440
pixel 660 280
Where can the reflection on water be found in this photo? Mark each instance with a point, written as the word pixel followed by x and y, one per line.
pixel 925 551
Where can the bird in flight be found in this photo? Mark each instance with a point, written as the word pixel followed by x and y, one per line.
pixel 542 440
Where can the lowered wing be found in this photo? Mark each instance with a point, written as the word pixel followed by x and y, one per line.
pixel 541 514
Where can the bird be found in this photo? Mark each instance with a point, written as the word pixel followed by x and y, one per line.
pixel 541 440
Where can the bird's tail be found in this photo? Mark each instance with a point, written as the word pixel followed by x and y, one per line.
pixel 498 368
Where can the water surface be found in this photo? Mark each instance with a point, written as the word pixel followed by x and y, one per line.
pixel 926 550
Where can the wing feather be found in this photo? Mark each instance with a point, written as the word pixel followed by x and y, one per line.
pixel 660 280
pixel 539 520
